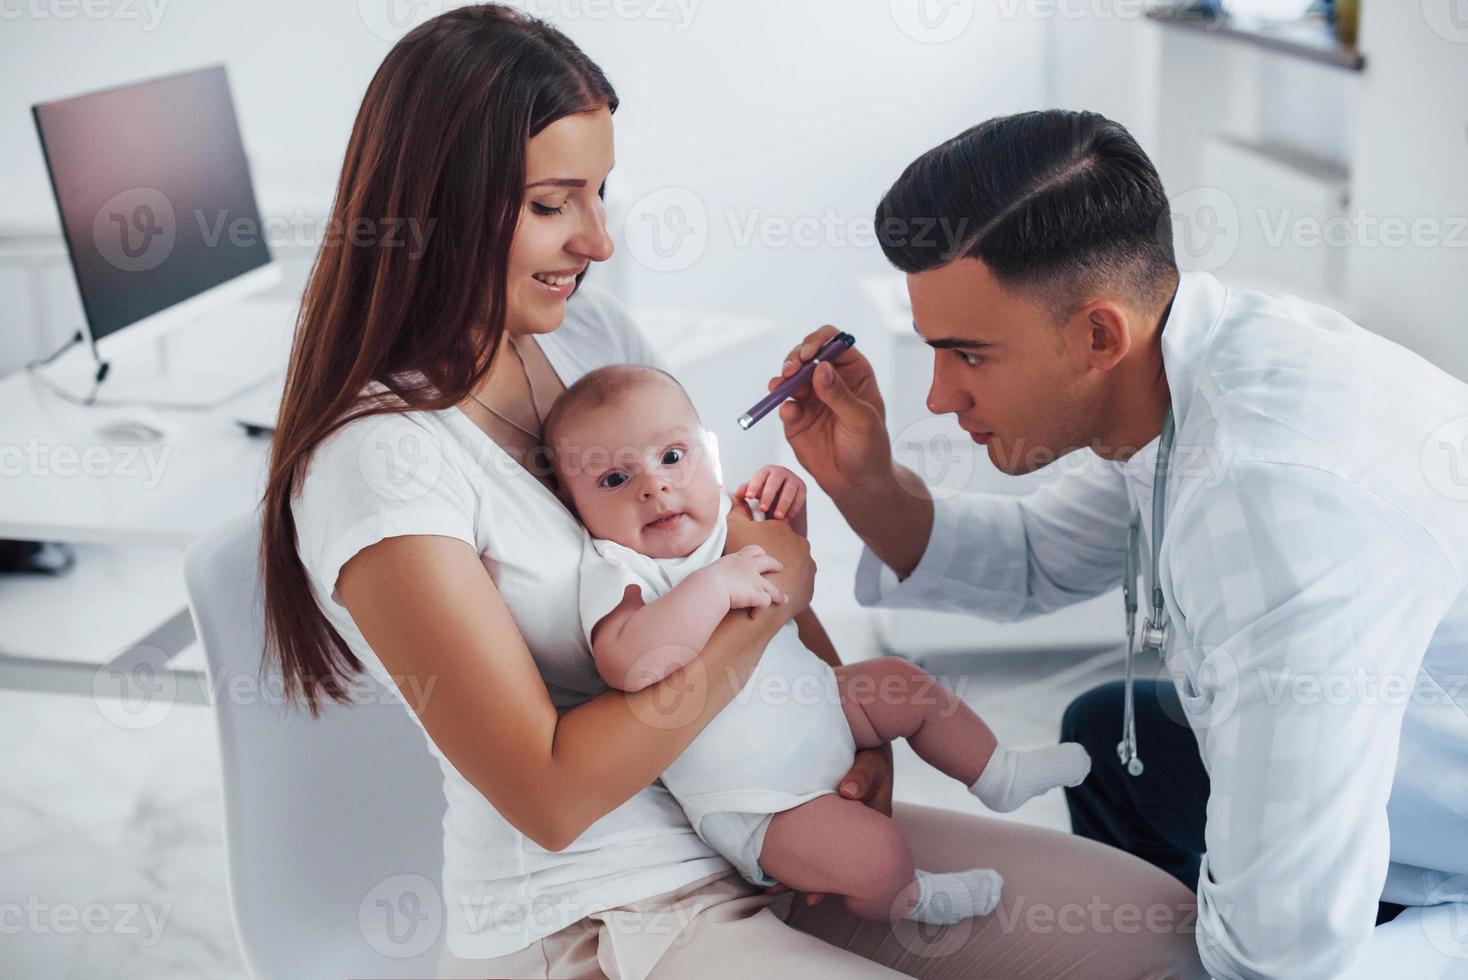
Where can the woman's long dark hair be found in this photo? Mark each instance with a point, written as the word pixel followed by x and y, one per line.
pixel 438 146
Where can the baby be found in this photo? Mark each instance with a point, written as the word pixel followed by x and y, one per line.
pixel 758 783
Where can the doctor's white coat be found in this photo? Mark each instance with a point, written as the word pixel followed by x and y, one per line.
pixel 1314 565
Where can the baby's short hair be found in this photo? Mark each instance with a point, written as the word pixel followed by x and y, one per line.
pixel 597 388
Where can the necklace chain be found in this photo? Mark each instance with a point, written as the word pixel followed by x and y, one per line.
pixel 534 405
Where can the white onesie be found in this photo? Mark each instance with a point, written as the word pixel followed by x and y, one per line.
pixel 782 741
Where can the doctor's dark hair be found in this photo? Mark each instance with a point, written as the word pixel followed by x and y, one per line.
pixel 1060 204
pixel 439 145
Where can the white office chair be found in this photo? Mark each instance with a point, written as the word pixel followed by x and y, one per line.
pixel 334 824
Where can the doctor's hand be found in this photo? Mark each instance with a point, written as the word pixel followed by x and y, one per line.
pixel 870 781
pixel 837 424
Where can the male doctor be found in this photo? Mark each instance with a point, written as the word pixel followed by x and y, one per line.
pixel 1303 569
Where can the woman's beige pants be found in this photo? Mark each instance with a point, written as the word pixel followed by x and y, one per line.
pixel 1071 908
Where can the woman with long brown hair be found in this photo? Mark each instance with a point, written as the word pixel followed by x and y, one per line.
pixel 411 531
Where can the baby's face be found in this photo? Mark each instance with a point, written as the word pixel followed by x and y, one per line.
pixel 639 472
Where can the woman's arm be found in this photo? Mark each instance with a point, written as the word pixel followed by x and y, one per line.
pixel 433 616
pixel 815 638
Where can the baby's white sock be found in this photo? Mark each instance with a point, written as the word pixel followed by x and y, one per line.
pixel 1012 777
pixel 944 899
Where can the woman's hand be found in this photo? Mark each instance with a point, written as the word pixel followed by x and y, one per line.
pixel 837 424
pixel 797 577
pixel 869 780
pixel 742 576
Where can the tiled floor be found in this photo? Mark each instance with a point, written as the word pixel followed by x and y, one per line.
pixel 122 825
pixel 111 852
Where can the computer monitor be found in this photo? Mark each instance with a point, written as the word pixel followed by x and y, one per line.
pixel 156 204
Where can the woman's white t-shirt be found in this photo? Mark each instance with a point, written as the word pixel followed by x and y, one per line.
pixel 437 473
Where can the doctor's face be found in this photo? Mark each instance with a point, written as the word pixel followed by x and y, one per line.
pixel 1003 367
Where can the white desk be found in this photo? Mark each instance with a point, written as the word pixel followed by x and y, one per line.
pixel 62 481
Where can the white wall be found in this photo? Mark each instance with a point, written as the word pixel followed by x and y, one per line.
pixel 1410 165
pixel 765 110
pixel 1395 133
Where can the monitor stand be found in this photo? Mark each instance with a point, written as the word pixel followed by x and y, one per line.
pixel 198 366
pixel 172 389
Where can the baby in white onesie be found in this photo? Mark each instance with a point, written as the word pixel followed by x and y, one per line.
pixel 759 782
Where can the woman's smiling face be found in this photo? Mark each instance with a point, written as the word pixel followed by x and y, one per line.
pixel 562 226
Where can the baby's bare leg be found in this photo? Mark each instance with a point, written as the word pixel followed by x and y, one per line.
pixel 889 698
pixel 842 847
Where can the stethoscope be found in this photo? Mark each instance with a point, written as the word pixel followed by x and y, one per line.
pixel 1154 629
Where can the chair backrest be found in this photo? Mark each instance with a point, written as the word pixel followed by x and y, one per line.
pixel 334 824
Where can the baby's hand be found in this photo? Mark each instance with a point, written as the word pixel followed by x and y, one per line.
pixel 743 573
pixel 781 494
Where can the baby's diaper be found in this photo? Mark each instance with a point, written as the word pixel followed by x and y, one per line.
pixel 739 837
